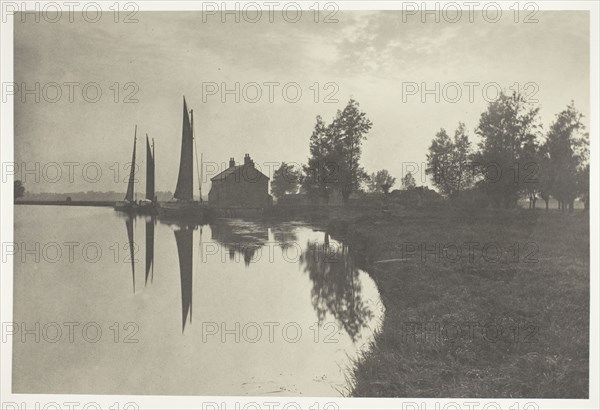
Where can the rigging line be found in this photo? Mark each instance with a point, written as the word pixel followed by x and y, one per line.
pixel 197 166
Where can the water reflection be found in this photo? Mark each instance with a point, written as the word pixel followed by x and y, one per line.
pixel 130 238
pixel 132 246
pixel 150 249
pixel 336 285
pixel 336 288
pixel 185 249
pixel 243 273
pixel 285 237
pixel 242 239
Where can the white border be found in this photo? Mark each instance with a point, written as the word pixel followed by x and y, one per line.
pixel 190 402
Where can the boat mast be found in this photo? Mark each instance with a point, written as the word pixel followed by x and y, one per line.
pixel 196 150
pixel 150 192
pixel 130 184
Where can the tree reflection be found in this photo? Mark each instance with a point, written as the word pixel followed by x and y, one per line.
pixel 336 286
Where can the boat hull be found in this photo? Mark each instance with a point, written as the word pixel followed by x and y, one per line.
pixel 148 208
pixel 125 206
pixel 186 211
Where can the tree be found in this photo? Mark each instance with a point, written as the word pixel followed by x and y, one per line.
pixel 448 161
pixel 408 181
pixel 350 129
pixel 583 186
pixel 19 189
pixel 335 151
pixel 567 149
pixel 544 174
pixel 286 180
pixel 530 172
pixel 320 171
pixel 506 128
pixel 379 179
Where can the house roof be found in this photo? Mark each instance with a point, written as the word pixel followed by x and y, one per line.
pixel 224 174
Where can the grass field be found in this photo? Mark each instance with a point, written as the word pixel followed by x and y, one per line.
pixel 517 326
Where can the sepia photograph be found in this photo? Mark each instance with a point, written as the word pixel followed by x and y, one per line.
pixel 299 205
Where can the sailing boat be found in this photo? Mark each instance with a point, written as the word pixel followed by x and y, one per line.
pixel 129 204
pixel 183 204
pixel 148 204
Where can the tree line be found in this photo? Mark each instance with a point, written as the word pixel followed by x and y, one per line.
pixel 514 158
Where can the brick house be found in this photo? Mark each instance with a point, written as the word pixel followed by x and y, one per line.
pixel 240 186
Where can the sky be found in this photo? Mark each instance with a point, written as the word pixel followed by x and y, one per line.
pixel 384 60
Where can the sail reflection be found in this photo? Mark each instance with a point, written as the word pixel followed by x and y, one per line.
pixel 185 246
pixel 336 286
pixel 130 238
pixel 149 249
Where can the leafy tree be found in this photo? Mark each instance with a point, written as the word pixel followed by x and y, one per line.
pixel 19 189
pixel 320 170
pixel 506 129
pixel 286 180
pixel 448 161
pixel 380 178
pixel 350 127
pixel 408 181
pixel 583 185
pixel 335 151
pixel 567 149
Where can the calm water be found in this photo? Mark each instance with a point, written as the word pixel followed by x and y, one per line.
pixel 232 308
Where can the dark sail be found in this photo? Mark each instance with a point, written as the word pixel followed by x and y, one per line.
pixel 185 181
pixel 129 195
pixel 149 171
pixel 149 247
pixel 129 225
pixel 184 238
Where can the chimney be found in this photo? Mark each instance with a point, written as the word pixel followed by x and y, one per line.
pixel 231 162
pixel 247 159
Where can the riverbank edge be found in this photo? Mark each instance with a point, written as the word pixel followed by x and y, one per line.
pixel 369 246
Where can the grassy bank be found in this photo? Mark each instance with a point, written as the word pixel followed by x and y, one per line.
pixel 476 327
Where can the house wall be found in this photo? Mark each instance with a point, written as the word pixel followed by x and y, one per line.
pixel 246 188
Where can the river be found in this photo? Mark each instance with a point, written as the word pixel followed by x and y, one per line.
pixel 110 304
